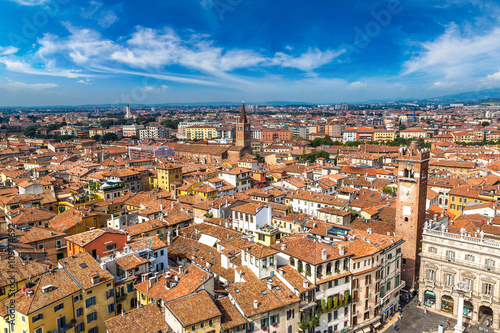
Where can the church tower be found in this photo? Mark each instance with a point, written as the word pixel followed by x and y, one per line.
pixel 243 135
pixel 413 167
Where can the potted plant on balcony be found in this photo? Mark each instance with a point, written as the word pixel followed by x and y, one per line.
pixel 275 324
pixel 346 297
pixel 264 328
pixel 303 326
pixel 335 302
pixel 323 305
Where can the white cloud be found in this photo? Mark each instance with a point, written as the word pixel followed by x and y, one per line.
pixel 150 53
pixel 86 81
pixel 82 46
pixel 23 67
pixel 155 89
pixel 104 17
pixel 8 50
pixel 312 59
pixel 21 86
pixel 358 85
pixel 30 2
pixel 154 49
pixel 107 18
pixel 445 84
pixel 455 55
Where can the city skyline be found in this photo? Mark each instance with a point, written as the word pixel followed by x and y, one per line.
pixel 55 52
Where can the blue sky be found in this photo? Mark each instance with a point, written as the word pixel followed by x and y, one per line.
pixel 71 52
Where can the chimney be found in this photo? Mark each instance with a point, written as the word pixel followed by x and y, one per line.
pixel 280 271
pixel 255 303
pixel 181 269
pixel 442 213
pixel 283 247
pixel 369 230
pixel 323 254
pixel 123 313
pixel 269 285
pixel 341 250
pixel 436 217
pixel 305 284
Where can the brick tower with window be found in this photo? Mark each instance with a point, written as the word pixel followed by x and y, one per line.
pixel 413 168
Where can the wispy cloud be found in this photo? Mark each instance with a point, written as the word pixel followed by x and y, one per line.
pixel 8 50
pixel 456 54
pixel 308 61
pixel 23 67
pixel 148 51
pixel 30 2
pixel 19 86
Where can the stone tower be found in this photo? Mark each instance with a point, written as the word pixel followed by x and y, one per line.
pixel 410 211
pixel 243 135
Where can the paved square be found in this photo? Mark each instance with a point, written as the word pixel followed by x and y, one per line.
pixel 414 320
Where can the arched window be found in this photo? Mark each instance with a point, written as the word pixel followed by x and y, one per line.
pixel 308 269
pixel 337 266
pixel 329 268
pixel 292 262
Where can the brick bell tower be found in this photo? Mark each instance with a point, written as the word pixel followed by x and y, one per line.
pixel 413 171
pixel 243 135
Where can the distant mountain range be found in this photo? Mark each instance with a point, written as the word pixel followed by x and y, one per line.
pixel 479 96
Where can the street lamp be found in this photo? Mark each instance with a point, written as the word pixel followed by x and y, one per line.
pixel 461 288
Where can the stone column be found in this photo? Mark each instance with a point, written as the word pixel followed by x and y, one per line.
pixel 460 315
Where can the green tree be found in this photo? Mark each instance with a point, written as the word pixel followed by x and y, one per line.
pixel 106 123
pixel 30 131
pixel 109 137
pixel 169 123
pixel 259 158
pixel 311 157
pixel 485 123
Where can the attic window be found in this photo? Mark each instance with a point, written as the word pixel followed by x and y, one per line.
pixel 264 292
pixel 83 265
pixel 237 290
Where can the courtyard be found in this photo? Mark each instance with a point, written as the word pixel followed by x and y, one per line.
pixel 415 320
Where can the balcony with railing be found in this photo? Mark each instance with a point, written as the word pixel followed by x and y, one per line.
pixel 462 238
